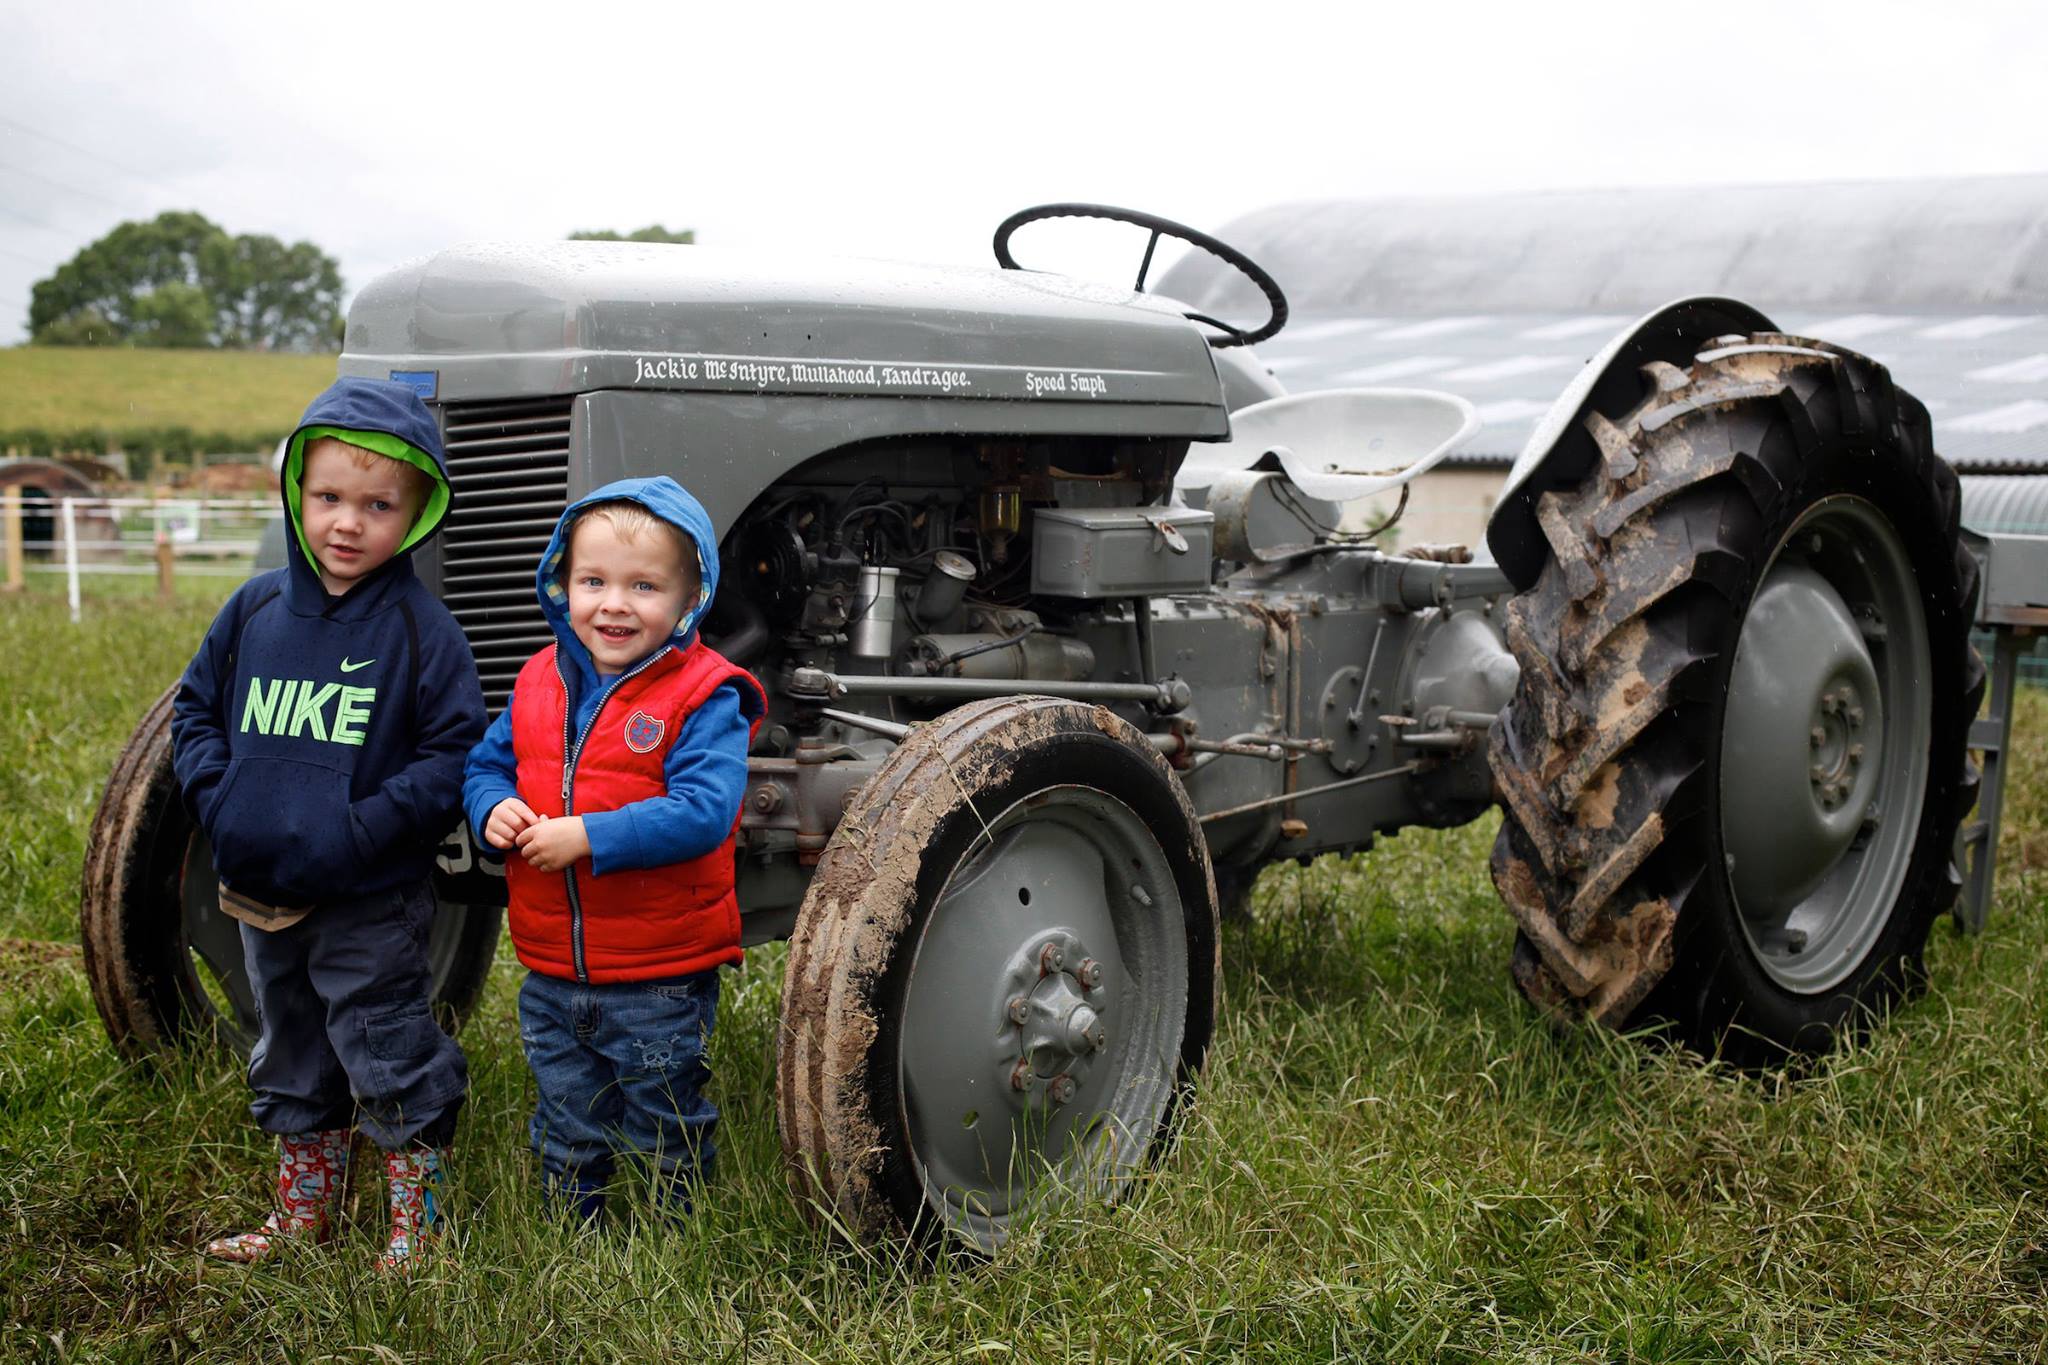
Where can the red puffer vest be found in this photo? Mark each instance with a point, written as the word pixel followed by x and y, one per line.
pixel 626 925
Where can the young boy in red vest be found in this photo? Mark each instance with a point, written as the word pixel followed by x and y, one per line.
pixel 613 782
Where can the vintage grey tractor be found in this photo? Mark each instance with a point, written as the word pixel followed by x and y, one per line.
pixel 1064 643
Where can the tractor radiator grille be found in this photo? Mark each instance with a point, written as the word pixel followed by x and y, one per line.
pixel 509 465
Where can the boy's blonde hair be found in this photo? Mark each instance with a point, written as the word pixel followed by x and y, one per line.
pixel 417 482
pixel 630 521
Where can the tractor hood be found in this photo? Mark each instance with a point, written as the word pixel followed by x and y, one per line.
pixel 498 320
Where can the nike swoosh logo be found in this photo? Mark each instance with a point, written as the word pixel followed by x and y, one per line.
pixel 348 667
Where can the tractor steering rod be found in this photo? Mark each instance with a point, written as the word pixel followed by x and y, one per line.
pixel 815 685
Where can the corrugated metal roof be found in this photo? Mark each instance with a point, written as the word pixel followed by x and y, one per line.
pixel 2017 505
pixel 1983 375
pixel 1961 245
pixel 1499 299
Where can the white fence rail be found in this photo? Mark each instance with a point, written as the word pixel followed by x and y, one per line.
pixel 166 537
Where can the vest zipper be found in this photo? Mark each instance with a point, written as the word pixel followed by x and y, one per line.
pixel 570 753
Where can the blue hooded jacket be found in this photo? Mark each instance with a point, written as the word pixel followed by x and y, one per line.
pixel 706 765
pixel 319 740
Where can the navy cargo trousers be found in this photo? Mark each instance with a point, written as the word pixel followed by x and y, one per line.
pixel 348 1036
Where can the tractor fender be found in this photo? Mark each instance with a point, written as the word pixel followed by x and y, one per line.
pixel 1560 450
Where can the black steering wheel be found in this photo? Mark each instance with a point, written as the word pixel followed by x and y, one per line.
pixel 1162 227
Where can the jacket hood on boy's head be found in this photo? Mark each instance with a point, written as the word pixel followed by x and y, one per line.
pixel 377 415
pixel 666 499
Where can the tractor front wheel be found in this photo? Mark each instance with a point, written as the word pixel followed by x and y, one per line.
pixel 1002 979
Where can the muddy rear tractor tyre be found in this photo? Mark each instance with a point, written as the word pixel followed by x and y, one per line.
pixel 164 963
pixel 1002 980
pixel 1734 765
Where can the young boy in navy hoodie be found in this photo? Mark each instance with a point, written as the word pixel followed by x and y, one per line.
pixel 318 736
pixel 613 782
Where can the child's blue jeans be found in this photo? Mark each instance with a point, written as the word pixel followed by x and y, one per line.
pixel 620 1069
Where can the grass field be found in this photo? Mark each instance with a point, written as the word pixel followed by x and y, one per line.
pixel 252 396
pixel 1390 1157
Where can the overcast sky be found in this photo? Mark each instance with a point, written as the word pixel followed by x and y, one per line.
pixel 382 131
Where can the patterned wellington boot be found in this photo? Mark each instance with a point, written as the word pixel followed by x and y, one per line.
pixel 309 1174
pixel 416 1217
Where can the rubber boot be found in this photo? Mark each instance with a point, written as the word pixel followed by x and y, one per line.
pixel 577 1194
pixel 310 1170
pixel 416 1218
pixel 675 1194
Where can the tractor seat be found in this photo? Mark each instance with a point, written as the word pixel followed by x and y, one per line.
pixel 1338 444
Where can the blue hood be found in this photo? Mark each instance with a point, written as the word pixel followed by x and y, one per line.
pixel 378 415
pixel 665 498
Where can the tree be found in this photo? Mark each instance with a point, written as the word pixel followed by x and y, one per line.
pixel 275 296
pixel 180 280
pixel 94 296
pixel 173 314
pixel 656 233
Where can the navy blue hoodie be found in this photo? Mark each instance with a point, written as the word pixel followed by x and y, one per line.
pixel 319 740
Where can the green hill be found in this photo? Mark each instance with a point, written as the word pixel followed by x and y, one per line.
pixel 83 399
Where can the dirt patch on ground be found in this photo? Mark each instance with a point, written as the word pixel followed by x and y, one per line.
pixel 22 960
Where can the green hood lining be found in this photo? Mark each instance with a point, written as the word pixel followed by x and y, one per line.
pixel 383 443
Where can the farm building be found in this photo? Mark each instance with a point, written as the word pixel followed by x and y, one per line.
pixel 1500 299
pixel 43 483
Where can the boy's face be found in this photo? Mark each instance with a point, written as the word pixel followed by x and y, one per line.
pixel 354 517
pixel 625 595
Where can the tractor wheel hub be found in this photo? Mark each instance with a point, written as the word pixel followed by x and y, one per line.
pixel 1802 747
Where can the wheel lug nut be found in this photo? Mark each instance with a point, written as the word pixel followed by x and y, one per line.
pixel 1855 715
pixel 1061 1089
pixel 1855 754
pixel 1816 736
pixel 1020 1074
pixel 1020 1009
pixel 1089 973
pixel 1050 959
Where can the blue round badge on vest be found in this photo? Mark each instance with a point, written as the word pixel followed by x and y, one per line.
pixel 643 732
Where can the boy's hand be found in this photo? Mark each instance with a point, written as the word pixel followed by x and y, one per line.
pixel 552 845
pixel 508 818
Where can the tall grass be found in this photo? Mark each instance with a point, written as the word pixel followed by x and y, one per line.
pixel 1390 1157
